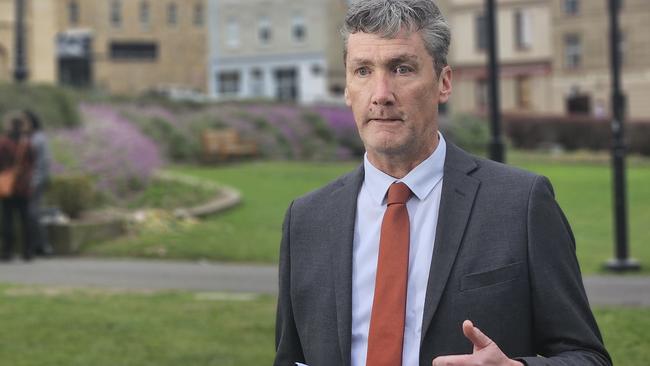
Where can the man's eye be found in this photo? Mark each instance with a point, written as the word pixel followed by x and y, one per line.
pixel 363 71
pixel 403 69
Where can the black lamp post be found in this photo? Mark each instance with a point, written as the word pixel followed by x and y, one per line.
pixel 497 150
pixel 622 262
pixel 20 68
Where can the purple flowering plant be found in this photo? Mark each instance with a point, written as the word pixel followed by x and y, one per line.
pixel 109 148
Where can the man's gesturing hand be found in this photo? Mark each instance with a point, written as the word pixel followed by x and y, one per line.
pixel 485 353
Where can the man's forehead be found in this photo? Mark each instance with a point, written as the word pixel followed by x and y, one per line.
pixel 365 46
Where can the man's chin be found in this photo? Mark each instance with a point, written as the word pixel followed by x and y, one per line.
pixel 390 148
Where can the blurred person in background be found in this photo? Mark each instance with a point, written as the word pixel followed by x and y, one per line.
pixel 40 179
pixel 16 158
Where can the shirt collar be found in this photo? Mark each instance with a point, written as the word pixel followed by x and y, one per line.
pixel 421 180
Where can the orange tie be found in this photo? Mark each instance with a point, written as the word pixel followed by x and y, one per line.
pixel 386 335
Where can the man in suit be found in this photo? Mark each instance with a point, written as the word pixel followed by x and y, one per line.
pixel 425 255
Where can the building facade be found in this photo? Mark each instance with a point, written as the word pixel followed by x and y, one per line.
pixel 123 47
pixel 40 32
pixel 554 56
pixel 288 50
pixel 581 58
pixel 525 54
pixel 130 47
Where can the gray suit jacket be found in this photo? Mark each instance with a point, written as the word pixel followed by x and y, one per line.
pixel 504 257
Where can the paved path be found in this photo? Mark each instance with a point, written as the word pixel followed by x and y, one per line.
pixel 142 274
pixel 218 277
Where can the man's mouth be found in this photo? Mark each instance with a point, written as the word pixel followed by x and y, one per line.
pixel 385 120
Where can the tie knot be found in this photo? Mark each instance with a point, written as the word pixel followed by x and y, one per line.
pixel 398 193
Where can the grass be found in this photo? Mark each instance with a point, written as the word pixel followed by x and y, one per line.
pixel 625 333
pixel 70 327
pixel 50 326
pixel 251 232
pixel 166 194
pixel 584 191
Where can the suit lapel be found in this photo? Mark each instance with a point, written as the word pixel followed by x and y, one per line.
pixel 343 206
pixel 458 193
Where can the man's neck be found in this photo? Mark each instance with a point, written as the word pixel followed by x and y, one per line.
pixel 399 165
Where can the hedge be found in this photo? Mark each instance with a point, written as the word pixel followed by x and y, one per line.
pixel 573 132
pixel 55 106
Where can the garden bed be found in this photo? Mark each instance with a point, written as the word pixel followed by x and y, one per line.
pixel 191 198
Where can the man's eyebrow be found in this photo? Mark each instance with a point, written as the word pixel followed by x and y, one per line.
pixel 399 58
pixel 404 57
pixel 360 61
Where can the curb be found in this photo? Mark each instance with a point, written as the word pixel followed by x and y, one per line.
pixel 228 197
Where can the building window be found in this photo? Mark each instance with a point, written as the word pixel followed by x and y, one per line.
pixel 73 12
pixel 316 70
pixel 522 92
pixel 481 93
pixel 523 30
pixel 232 32
pixel 264 33
pixel 578 102
pixel 286 84
pixel 571 7
pixel 172 14
pixel 198 15
pixel 572 51
pixel 228 83
pixel 298 29
pixel 337 89
pixel 145 15
pixel 257 83
pixel 134 51
pixel 116 13
pixel 480 23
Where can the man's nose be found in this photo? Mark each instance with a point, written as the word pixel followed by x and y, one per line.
pixel 383 93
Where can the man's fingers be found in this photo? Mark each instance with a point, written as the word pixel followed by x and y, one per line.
pixel 475 335
pixel 455 360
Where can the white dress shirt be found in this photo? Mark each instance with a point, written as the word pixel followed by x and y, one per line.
pixel 425 181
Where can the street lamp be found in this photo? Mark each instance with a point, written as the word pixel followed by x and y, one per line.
pixel 622 262
pixel 20 68
pixel 496 149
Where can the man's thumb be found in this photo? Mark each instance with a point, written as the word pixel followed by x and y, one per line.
pixel 475 335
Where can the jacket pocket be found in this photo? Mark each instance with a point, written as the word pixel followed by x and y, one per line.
pixel 491 277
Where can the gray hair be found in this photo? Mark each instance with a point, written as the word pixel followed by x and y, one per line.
pixel 388 17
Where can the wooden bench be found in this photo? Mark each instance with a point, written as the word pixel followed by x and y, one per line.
pixel 223 145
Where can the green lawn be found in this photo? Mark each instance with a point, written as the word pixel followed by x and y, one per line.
pixel 251 232
pixel 68 327
pixel 584 190
pixel 59 327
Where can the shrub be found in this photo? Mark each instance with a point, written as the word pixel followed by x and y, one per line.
pixel 470 132
pixel 321 143
pixel 340 121
pixel 176 145
pixel 55 106
pixel 72 194
pixel 109 149
pixel 573 132
pixel 639 137
pixel 281 131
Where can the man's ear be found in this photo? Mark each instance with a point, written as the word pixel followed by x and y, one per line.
pixel 444 84
pixel 348 102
